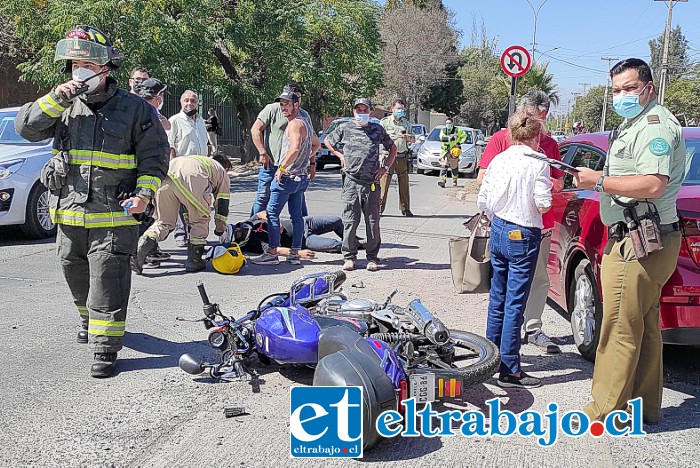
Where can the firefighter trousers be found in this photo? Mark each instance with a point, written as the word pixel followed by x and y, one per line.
pixel 95 264
pixel 193 194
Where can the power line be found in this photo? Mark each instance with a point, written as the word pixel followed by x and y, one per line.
pixel 574 64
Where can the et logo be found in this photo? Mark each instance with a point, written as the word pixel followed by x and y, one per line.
pixel 325 422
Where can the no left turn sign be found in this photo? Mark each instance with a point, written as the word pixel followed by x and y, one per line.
pixel 515 61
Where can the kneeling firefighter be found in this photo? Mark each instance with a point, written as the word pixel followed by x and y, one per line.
pixel 452 138
pixel 110 155
pixel 192 181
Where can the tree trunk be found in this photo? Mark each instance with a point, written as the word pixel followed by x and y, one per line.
pixel 247 116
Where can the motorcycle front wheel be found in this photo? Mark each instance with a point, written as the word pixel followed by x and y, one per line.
pixel 475 359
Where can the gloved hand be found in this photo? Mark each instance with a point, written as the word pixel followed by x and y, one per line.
pixel 218 233
pixel 55 171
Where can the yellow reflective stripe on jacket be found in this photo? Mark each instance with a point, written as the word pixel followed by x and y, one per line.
pixel 148 182
pixel 92 220
pixel 50 106
pixel 188 195
pixel 106 328
pixel 223 196
pixel 101 159
pixel 206 162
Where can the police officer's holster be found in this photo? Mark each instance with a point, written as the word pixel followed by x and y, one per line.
pixel 629 356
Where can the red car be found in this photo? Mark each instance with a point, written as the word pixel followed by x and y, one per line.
pixel 579 236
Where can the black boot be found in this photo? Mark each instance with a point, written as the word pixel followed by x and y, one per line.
pixel 83 334
pixel 194 258
pixel 104 365
pixel 147 245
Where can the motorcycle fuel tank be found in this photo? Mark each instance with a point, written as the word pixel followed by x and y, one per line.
pixel 288 335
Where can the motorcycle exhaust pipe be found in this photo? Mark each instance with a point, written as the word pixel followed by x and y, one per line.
pixel 428 325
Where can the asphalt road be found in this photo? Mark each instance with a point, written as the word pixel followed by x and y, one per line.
pixel 154 415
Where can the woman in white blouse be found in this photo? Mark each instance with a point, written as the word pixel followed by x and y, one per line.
pixel 515 192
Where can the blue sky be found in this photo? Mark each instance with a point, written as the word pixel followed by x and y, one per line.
pixel 582 32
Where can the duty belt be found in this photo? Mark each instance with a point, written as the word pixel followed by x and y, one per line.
pixel 619 230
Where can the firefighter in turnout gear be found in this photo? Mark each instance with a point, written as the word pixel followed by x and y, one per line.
pixel 452 138
pixel 192 181
pixel 110 155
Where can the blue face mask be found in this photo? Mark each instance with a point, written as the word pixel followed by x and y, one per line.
pixel 627 105
pixel 398 113
pixel 362 119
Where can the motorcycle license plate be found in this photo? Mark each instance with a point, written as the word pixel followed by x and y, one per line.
pixel 423 387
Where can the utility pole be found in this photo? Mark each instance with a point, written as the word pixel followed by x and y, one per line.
pixel 664 59
pixel 575 94
pixel 605 96
pixel 585 85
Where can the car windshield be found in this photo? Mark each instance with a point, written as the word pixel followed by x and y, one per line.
pixel 692 165
pixel 417 129
pixel 435 135
pixel 8 136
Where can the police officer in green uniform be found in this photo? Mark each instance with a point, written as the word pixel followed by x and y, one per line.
pixel 110 155
pixel 399 129
pixel 362 168
pixel 451 137
pixel 645 165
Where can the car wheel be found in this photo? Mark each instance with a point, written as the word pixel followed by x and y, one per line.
pixel 320 166
pixel 38 224
pixel 420 171
pixel 586 310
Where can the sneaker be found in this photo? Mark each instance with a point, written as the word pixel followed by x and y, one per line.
pixel 181 242
pixel 266 259
pixel 151 264
pixel 349 265
pixel 294 259
pixel 524 381
pixel 541 340
pixel 372 266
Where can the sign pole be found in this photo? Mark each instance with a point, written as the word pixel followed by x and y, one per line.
pixel 511 99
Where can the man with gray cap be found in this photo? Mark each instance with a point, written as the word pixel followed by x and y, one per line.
pixel 536 104
pixel 361 193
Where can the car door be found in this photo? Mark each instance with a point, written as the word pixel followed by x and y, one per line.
pixel 577 224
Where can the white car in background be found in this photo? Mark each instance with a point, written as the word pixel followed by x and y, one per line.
pixel 24 201
pixel 429 153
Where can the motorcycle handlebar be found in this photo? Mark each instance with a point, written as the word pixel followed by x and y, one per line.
pixel 203 293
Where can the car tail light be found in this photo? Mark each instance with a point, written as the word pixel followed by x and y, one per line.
pixel 691 232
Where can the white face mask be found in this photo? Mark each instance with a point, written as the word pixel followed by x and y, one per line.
pixel 87 76
pixel 160 106
pixel 362 119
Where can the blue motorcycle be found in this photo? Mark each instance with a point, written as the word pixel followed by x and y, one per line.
pixel 392 352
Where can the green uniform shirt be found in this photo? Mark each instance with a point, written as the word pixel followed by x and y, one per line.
pixel 395 130
pixel 651 143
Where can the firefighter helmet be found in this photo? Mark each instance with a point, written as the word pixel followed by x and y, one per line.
pixel 89 44
pixel 227 260
pixel 456 152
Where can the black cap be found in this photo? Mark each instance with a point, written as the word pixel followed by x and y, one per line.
pixel 362 100
pixel 149 88
pixel 288 93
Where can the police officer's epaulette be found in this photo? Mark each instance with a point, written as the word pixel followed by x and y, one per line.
pixel 653 119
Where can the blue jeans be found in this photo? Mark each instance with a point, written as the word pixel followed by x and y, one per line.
pixel 286 192
pixel 262 198
pixel 514 263
pixel 314 226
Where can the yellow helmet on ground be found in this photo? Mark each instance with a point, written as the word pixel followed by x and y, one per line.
pixel 227 260
pixel 456 152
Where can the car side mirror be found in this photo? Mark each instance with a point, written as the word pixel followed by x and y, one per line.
pixel 421 138
pixel 481 142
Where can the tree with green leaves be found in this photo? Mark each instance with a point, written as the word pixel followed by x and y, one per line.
pixel 683 99
pixel 678 63
pixel 243 50
pixel 589 109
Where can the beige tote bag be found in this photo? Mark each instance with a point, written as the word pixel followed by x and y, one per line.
pixel 470 260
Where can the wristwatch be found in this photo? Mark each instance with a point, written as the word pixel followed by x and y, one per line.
pixel 599 185
pixel 385 167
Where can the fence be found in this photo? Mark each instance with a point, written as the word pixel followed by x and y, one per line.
pixel 225 111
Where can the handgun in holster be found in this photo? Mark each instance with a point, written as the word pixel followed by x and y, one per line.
pixel 632 221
